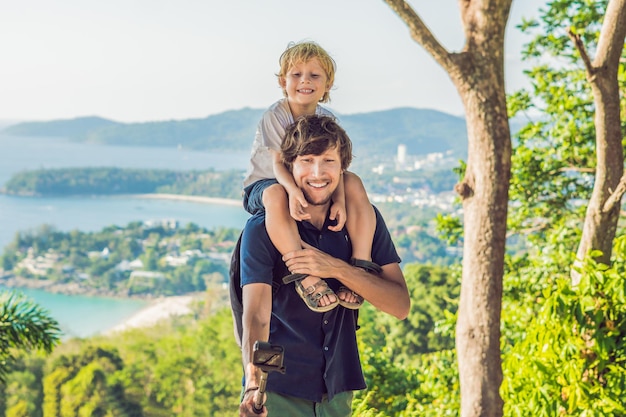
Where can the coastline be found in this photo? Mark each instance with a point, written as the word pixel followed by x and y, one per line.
pixel 191 198
pixel 159 309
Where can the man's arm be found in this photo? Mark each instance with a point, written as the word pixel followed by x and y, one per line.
pixel 387 291
pixel 257 309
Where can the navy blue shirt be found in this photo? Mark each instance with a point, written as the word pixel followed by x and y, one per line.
pixel 321 354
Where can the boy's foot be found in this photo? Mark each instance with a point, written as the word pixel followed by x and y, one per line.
pixel 315 293
pixel 349 299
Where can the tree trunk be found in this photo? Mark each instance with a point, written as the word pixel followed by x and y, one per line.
pixel 604 206
pixel 478 74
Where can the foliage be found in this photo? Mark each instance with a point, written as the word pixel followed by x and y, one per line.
pixel 554 161
pixel 23 325
pixel 428 388
pixel 183 368
pixel 434 293
pixel 409 365
pixel 571 360
pixel 84 384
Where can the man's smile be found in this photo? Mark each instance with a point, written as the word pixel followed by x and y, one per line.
pixel 318 184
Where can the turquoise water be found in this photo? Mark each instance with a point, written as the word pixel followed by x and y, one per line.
pixel 91 214
pixel 95 213
pixel 81 316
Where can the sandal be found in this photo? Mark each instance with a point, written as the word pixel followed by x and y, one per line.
pixel 367 266
pixel 352 306
pixel 314 293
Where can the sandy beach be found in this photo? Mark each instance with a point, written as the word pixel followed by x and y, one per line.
pixel 192 198
pixel 159 309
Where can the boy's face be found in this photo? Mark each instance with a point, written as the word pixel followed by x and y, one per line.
pixel 305 83
pixel 318 175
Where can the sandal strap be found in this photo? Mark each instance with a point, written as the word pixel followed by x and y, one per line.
pixel 293 277
pixel 311 290
pixel 368 266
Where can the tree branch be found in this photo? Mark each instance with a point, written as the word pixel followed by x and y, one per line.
pixel 615 198
pixel 422 34
pixel 577 169
pixel 591 72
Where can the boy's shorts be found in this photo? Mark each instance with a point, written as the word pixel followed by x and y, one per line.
pixel 253 195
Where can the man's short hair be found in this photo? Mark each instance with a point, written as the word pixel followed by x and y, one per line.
pixel 314 135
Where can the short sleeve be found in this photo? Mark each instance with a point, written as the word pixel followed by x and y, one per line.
pixel 272 128
pixel 258 256
pixel 383 250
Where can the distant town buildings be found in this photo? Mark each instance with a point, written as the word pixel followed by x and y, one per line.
pixel 403 193
pixel 406 162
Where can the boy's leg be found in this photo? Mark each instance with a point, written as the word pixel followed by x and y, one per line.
pixel 361 225
pixel 360 217
pixel 283 233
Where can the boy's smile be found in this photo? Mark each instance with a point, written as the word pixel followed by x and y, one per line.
pixel 305 84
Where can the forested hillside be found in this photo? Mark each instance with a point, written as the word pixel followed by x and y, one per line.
pixel 377 133
pixel 191 366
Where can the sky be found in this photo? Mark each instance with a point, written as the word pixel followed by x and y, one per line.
pixel 155 60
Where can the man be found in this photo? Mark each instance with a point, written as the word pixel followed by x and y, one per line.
pixel 321 356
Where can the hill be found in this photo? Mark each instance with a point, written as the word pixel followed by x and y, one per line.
pixel 423 131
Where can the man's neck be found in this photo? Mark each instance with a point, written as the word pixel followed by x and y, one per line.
pixel 318 215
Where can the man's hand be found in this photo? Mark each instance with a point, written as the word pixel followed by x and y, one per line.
pixel 297 203
pixel 246 408
pixel 337 212
pixel 312 261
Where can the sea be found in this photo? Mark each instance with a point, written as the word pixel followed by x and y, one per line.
pixel 82 316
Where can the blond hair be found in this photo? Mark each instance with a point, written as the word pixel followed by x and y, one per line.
pixel 304 52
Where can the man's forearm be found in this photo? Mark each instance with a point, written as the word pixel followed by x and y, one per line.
pixel 257 307
pixel 387 291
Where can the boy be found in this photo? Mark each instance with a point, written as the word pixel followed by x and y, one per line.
pixel 306 75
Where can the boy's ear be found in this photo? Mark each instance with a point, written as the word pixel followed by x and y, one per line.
pixel 281 82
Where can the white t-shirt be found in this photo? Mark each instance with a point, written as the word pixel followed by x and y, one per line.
pixel 269 135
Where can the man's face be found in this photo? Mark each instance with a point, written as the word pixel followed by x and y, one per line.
pixel 318 175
